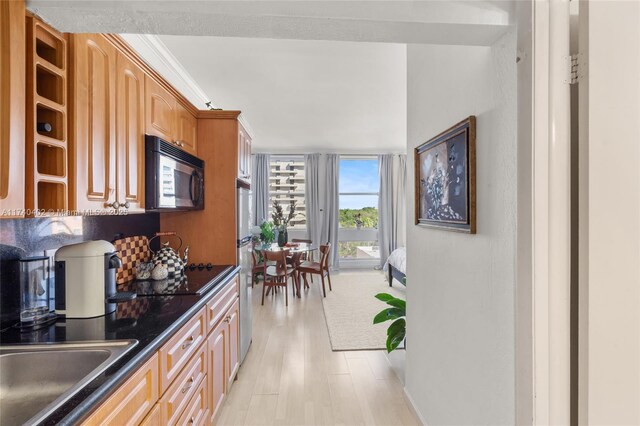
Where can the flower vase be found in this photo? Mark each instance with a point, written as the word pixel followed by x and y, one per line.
pixel 283 237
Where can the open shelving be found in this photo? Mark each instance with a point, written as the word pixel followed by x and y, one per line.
pixel 47 118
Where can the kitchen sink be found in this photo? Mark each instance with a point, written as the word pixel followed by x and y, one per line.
pixel 37 379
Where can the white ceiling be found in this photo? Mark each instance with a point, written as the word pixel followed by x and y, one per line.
pixel 308 75
pixel 304 96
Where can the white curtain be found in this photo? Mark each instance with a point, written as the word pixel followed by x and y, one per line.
pixel 331 214
pixel 312 197
pixel 391 203
pixel 260 187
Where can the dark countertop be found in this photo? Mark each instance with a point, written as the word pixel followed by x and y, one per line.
pixel 149 320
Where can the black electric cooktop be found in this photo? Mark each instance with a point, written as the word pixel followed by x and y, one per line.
pixel 194 281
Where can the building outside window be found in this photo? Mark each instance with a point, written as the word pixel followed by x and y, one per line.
pixel 286 184
pixel 359 190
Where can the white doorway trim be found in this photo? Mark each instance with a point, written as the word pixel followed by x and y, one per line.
pixel 544 257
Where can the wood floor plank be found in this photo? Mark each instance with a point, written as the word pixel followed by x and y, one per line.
pixel 292 377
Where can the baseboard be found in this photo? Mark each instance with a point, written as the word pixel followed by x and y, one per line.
pixel 412 406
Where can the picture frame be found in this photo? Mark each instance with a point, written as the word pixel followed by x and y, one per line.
pixel 445 179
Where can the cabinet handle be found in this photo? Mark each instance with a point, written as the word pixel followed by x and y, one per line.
pixel 227 319
pixel 179 143
pixel 189 342
pixel 115 205
pixel 192 420
pixel 188 385
pixel 126 205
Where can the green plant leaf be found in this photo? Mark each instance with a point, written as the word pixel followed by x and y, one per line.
pixel 396 326
pixel 384 296
pixel 388 314
pixel 398 303
pixel 393 340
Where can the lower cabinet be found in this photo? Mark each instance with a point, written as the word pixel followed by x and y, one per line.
pixel 132 401
pixel 186 381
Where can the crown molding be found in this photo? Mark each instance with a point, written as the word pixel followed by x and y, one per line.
pixel 158 56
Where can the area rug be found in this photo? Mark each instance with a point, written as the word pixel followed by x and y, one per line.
pixel 349 310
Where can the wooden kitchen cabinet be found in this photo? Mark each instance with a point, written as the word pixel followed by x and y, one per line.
pixel 167 118
pixel 175 400
pixel 220 134
pixel 93 140
pixel 160 110
pixel 186 129
pixel 223 343
pixel 218 347
pixel 233 361
pixel 244 155
pixel 130 403
pixel 130 133
pixel 12 109
pixel 186 381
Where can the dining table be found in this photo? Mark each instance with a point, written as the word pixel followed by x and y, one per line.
pixel 296 252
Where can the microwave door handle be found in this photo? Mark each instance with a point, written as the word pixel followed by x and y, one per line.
pixel 195 185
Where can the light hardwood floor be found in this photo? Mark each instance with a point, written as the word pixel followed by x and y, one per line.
pixel 292 377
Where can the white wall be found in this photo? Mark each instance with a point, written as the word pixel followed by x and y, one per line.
pixel 461 288
pixel 610 217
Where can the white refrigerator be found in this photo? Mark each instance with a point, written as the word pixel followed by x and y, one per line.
pixel 244 261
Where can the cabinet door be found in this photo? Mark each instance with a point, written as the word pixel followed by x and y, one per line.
pixel 12 108
pixel 187 126
pixel 160 111
pixel 130 403
pixel 130 134
pixel 244 154
pixel 153 418
pixel 218 353
pixel 233 320
pixel 93 121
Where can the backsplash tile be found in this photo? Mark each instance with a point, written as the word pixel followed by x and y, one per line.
pixel 32 237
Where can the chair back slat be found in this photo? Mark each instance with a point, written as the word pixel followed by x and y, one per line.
pixel 254 257
pixel 324 257
pixel 279 257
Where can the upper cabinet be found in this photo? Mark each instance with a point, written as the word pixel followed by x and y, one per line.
pixel 12 109
pixel 160 110
pixel 167 118
pixel 244 154
pixel 186 129
pixel 130 134
pixel 93 141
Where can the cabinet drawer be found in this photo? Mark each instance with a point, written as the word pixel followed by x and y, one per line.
pixel 132 401
pixel 175 354
pixel 174 401
pixel 218 306
pixel 197 411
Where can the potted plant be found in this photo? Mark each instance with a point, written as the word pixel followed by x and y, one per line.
pixel 267 233
pixel 397 312
pixel 281 221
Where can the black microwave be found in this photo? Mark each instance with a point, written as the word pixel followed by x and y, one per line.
pixel 174 179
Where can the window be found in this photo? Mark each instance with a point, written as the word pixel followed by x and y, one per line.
pixel 286 184
pixel 359 187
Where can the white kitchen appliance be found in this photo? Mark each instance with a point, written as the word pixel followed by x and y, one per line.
pixel 244 261
pixel 85 280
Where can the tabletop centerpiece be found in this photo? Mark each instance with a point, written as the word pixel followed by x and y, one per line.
pixel 281 221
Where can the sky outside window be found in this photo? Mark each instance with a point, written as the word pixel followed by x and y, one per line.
pixel 359 176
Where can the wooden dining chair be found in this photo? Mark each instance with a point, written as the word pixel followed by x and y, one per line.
pixel 257 266
pixel 277 273
pixel 318 268
pixel 308 255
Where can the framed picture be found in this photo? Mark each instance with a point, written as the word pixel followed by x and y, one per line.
pixel 445 179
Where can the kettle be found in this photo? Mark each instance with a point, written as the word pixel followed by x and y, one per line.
pixel 169 257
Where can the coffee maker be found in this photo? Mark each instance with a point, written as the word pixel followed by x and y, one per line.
pixel 85 280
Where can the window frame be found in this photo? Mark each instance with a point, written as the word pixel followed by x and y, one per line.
pixel 355 234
